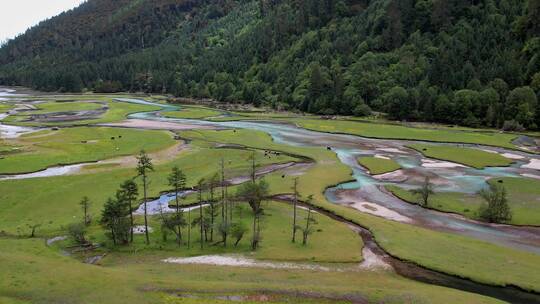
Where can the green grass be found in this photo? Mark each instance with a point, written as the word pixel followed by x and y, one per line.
pixel 53 107
pixel 390 131
pixel 467 156
pixel 276 242
pixel 25 277
pixel 59 196
pixel 377 165
pixel 53 201
pixel 4 107
pixel 523 198
pixel 73 145
pixel 192 113
pixel 449 253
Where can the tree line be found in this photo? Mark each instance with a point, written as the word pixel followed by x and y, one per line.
pixel 473 63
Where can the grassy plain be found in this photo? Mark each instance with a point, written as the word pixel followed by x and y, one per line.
pixel 82 144
pixel 377 165
pixel 142 278
pixel 26 278
pixel 523 198
pixel 392 131
pixel 467 156
pixel 453 254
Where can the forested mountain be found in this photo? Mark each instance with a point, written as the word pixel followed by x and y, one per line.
pixel 470 62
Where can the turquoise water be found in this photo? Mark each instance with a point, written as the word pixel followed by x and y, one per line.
pixel 367 189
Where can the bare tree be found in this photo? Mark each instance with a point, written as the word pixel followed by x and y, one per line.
pixel 424 192
pixel 201 217
pixel 295 202
pixel 144 167
pixel 224 226
pixel 213 212
pixel 310 222
pixel 85 205
pixel 177 180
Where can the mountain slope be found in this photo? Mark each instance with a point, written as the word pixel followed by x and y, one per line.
pixel 467 62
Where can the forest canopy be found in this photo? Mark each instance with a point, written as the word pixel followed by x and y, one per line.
pixel 474 63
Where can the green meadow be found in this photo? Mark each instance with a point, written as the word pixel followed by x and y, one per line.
pixel 377 165
pixel 467 156
pixel 523 194
pixel 393 131
pixel 75 145
pixel 136 273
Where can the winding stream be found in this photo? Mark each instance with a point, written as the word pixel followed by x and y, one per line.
pixel 365 188
pixel 368 189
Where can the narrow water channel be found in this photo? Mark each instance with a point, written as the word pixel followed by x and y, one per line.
pixel 367 189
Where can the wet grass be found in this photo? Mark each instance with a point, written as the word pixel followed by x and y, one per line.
pixel 467 156
pixel 73 145
pixel 377 165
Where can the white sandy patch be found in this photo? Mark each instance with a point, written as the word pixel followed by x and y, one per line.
pixel 56 239
pixel 428 163
pixel 391 150
pixel 506 154
pixel 52 171
pixel 7 131
pixel 533 164
pixel 380 211
pixel 141 230
pixel 372 261
pixel 530 175
pixel 156 125
pixel 395 176
pixel 512 156
pixel 240 261
pixel 381 156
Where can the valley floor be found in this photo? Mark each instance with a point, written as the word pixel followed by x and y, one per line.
pixel 358 173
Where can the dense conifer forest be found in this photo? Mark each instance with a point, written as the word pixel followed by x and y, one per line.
pixel 474 63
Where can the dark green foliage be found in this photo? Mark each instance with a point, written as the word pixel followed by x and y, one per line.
pixel 237 232
pixel 115 217
pixel 497 209
pixel 432 60
pixel 77 231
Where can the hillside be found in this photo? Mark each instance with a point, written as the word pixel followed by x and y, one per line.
pixel 474 63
